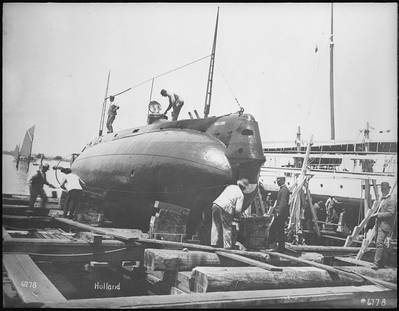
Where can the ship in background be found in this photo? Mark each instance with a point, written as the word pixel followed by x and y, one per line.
pixel 349 171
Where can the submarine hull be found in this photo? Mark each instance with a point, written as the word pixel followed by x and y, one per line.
pixel 182 167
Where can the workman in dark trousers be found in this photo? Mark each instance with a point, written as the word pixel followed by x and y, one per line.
pixel 281 213
pixel 175 102
pixel 385 220
pixel 112 111
pixel 72 184
pixel 227 206
pixel 36 184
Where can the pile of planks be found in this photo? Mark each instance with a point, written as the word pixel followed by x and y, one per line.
pixel 169 271
pixel 183 271
pixel 169 222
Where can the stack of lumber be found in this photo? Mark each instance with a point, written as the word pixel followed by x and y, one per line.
pixel 169 223
pixel 169 271
pixel 179 272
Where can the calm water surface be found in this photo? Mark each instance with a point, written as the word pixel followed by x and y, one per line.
pixel 17 181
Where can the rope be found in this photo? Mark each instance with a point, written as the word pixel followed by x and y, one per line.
pixel 229 87
pixel 157 76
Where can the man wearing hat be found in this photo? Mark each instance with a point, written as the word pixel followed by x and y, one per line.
pixel 112 111
pixel 227 205
pixel 175 102
pixel 36 186
pixel 281 213
pixel 385 220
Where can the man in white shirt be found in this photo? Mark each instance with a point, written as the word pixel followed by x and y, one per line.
pixel 71 183
pixel 227 205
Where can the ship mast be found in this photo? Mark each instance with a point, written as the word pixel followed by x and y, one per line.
pixel 332 77
pixel 210 73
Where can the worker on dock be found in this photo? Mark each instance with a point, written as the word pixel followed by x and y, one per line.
pixel 112 111
pixel 332 210
pixel 385 220
pixel 227 206
pixel 36 184
pixel 175 102
pixel 72 184
pixel 281 213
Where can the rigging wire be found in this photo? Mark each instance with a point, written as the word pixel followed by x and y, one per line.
pixel 159 75
pixel 229 87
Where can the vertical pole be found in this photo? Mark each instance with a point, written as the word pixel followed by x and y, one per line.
pixel 210 73
pixel 152 87
pixel 100 130
pixel 332 77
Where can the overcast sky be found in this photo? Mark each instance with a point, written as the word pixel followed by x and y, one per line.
pixel 56 58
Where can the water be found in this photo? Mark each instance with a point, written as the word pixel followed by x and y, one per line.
pixel 17 181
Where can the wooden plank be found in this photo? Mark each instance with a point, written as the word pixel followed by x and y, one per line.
pixel 177 245
pixel 30 282
pixel 337 271
pixel 219 279
pixel 355 261
pixel 314 215
pixel 176 260
pixel 247 299
pixel 325 249
pixel 176 291
pixel 125 235
pixel 250 261
pixel 6 235
pixel 77 251
pixel 182 281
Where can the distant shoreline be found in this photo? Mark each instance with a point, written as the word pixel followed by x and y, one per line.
pixel 36 156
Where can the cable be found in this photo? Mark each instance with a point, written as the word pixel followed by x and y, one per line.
pixel 157 76
pixel 229 87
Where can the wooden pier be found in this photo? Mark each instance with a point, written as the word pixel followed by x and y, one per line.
pixel 126 268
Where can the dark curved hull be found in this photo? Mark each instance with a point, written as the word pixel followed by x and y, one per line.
pixel 182 167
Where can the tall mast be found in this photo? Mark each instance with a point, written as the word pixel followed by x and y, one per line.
pixel 210 74
pixel 332 77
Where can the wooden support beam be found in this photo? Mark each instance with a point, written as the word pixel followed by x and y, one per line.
pixel 249 261
pixel 182 281
pixel 177 245
pixel 124 235
pixel 337 271
pixel 325 249
pixel 220 279
pixel 29 281
pixel 176 260
pixel 355 261
pixel 362 225
pixel 58 250
pixel 239 299
pixel 314 215
pixel 5 234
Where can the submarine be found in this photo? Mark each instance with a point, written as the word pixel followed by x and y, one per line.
pixel 184 162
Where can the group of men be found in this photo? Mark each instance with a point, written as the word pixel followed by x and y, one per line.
pixel 175 103
pixel 70 183
pixel 228 207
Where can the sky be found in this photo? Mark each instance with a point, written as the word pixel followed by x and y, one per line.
pixel 56 58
